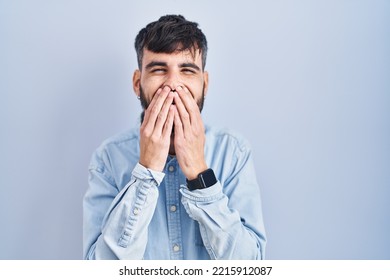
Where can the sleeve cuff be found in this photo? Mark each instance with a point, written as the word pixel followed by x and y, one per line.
pixel 143 173
pixel 203 195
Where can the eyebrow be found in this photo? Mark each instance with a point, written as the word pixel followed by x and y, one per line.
pixel 155 63
pixel 190 65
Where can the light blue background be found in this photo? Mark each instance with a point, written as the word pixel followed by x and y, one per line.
pixel 307 82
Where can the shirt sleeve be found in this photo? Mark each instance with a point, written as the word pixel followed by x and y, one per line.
pixel 116 223
pixel 230 215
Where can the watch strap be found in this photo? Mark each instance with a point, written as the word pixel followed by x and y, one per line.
pixel 204 180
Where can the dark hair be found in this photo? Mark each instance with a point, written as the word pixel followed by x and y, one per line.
pixel 169 34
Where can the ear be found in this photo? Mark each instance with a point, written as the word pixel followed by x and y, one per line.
pixel 206 82
pixel 137 82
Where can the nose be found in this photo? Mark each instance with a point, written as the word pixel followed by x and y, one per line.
pixel 173 81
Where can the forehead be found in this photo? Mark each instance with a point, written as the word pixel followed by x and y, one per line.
pixel 173 59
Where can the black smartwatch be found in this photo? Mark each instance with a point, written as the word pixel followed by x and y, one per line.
pixel 204 180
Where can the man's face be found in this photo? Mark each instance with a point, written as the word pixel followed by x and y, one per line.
pixel 180 68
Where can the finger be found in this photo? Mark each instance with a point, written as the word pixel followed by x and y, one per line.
pixel 153 110
pixel 167 130
pixel 162 116
pixel 189 101
pixel 178 124
pixel 182 111
pixel 157 101
pixel 151 104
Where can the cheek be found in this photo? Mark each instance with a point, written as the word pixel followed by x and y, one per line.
pixel 149 88
pixel 196 89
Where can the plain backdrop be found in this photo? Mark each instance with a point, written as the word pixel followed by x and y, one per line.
pixel 306 82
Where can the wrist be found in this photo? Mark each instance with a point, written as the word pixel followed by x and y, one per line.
pixel 154 167
pixel 193 173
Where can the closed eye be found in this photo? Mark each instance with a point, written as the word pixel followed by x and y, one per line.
pixel 188 71
pixel 190 68
pixel 158 70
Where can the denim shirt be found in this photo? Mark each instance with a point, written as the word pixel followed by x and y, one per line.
pixel 132 212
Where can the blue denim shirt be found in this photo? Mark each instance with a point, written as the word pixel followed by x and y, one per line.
pixel 131 212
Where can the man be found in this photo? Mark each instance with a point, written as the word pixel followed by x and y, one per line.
pixel 173 188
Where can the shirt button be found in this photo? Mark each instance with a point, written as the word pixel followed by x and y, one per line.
pixel 136 211
pixel 171 168
pixel 176 248
pixel 173 208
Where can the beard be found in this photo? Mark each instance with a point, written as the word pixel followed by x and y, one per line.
pixel 145 103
